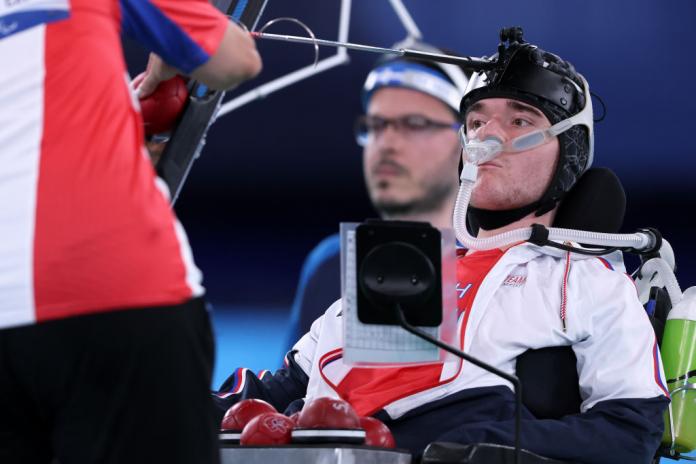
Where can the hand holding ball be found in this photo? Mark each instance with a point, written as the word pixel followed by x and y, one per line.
pixel 162 107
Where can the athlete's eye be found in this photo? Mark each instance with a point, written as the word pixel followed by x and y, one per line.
pixel 474 124
pixel 520 122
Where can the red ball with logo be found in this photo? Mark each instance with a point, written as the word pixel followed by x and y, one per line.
pixel 240 414
pixel 328 413
pixel 162 107
pixel 271 428
pixel 377 433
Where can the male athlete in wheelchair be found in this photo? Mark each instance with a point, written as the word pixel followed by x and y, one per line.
pixel 543 295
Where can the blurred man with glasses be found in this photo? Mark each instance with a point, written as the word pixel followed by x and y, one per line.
pixel 410 157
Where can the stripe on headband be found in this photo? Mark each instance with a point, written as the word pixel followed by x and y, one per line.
pixel 411 76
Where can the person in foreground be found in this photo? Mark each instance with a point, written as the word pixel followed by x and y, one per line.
pixel 510 301
pixel 410 155
pixel 100 301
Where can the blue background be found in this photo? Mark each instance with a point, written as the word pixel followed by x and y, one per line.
pixel 279 174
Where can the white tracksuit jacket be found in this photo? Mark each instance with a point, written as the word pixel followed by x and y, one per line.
pixel 517 308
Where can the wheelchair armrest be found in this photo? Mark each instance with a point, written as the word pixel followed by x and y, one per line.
pixel 480 453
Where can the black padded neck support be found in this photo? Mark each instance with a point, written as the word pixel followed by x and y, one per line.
pixel 597 203
pixel 490 220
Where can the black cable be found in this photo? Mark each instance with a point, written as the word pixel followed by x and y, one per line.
pixel 582 251
pixel 510 378
pixel 604 107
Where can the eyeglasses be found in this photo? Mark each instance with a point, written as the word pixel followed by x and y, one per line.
pixel 368 126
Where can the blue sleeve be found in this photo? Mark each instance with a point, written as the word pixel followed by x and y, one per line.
pixel 144 22
pixel 613 431
pixel 285 386
pixel 318 288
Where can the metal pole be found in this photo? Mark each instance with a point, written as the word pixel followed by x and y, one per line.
pixel 474 64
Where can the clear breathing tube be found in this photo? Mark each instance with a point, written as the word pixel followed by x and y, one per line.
pixel 637 241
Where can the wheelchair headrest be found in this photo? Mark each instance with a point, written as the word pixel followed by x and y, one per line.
pixel 597 203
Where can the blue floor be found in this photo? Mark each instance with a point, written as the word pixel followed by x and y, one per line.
pixel 248 337
pixel 693 455
pixel 255 338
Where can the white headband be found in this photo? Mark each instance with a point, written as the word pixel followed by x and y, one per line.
pixel 412 76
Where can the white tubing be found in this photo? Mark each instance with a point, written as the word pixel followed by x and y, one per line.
pixel 666 276
pixel 468 178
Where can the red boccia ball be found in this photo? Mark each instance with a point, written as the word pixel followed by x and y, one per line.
pixel 377 433
pixel 161 108
pixel 270 428
pixel 328 413
pixel 243 412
